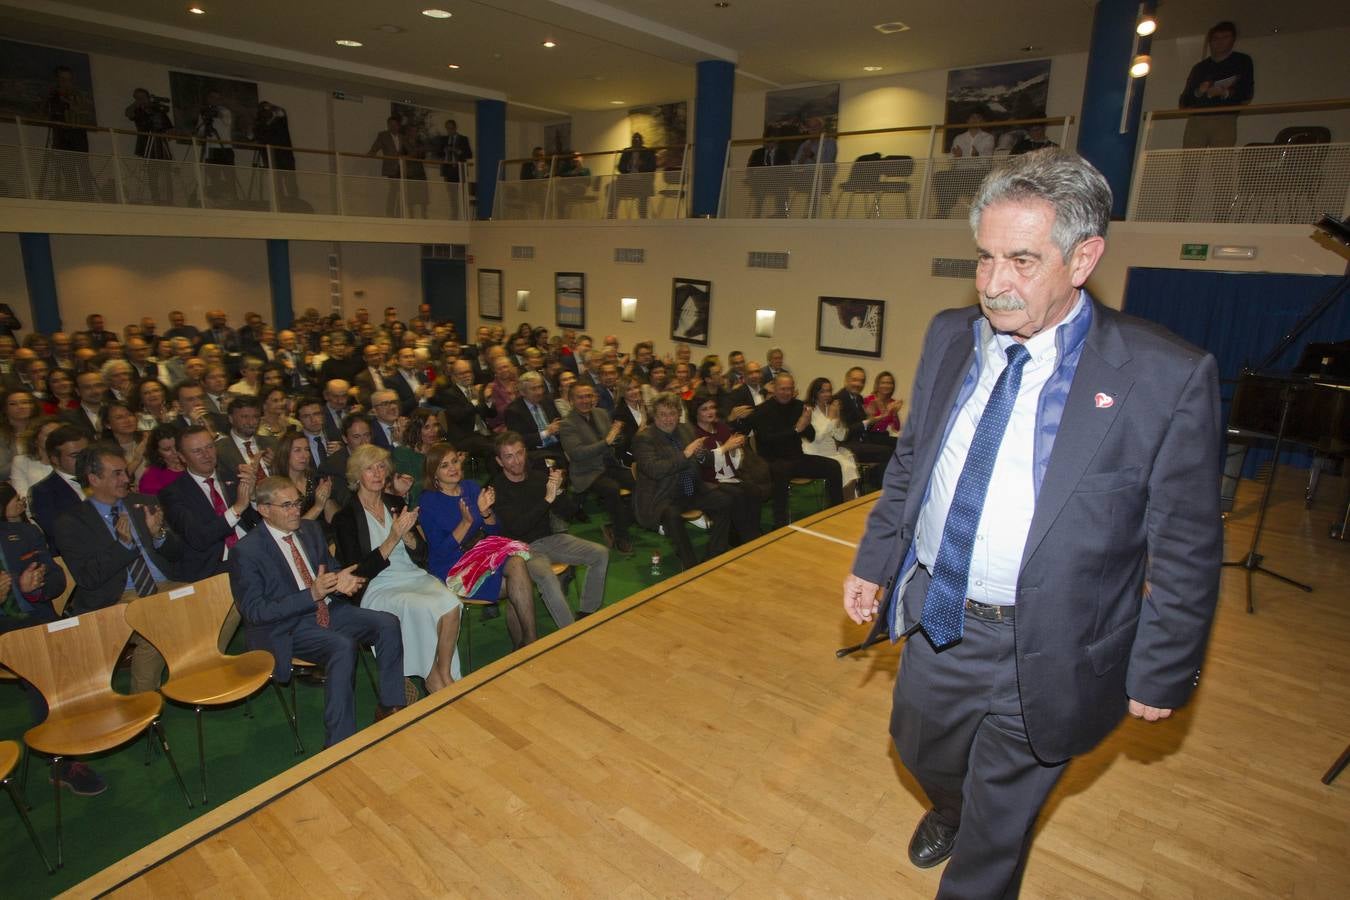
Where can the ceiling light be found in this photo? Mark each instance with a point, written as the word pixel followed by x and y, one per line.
pixel 871 68
pixel 616 102
pixel 891 27
pixel 1147 25
pixel 196 10
pixel 452 65
pixel 1140 66
pixel 721 4
pixel 436 14
pixel 1029 48
pixel 347 43
pixel 550 44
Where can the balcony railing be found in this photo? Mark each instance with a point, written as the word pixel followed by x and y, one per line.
pixel 886 173
pixel 187 172
pixel 592 186
pixel 1298 170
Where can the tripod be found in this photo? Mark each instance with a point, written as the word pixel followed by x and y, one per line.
pixel 1252 561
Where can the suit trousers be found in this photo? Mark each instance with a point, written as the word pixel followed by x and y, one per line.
pixel 335 648
pixel 565 548
pixel 715 503
pixel 957 724
pixel 619 509
pixel 804 466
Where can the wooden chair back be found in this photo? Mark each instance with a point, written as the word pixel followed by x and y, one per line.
pixel 184 623
pixel 70 660
pixel 59 603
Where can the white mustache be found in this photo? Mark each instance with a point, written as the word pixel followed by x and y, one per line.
pixel 1005 303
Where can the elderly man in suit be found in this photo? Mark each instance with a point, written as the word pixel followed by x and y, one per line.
pixel 1057 455
pixel 466 411
pixel 535 418
pixel 117 548
pixel 588 438
pixel 296 601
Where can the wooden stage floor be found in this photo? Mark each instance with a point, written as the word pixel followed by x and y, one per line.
pixel 701 739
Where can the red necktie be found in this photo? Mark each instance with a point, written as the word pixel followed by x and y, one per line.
pixel 218 504
pixel 320 608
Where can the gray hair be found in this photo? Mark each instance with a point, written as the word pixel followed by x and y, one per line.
pixel 1078 192
pixel 266 491
pixel 115 365
pixel 667 399
pixel 363 458
pixel 530 378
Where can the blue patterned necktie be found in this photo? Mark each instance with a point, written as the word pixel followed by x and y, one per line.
pixel 944 608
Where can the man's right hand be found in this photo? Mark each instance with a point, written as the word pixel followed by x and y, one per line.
pixel 324 584
pixel 860 599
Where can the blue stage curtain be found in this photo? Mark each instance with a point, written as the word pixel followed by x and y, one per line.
pixel 1239 317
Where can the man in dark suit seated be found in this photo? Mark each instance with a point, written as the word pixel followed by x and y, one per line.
pixel 117 548
pixel 739 402
pixel 589 438
pixel 780 426
pixel 535 418
pixel 193 410
pixel 88 416
pixel 667 456
pixel 357 431
pixel 853 415
pixel 60 490
pixel 209 509
pixel 241 444
pixel 461 400
pixel 408 381
pixel 295 601
pixel 335 403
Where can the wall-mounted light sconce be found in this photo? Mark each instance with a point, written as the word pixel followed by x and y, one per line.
pixel 628 309
pixel 1147 25
pixel 522 300
pixel 1140 62
pixel 1140 66
pixel 764 319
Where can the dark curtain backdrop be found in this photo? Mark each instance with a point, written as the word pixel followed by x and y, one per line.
pixel 1239 317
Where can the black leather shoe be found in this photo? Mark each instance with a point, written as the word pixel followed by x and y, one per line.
pixel 932 842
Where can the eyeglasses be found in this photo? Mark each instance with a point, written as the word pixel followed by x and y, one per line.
pixel 288 506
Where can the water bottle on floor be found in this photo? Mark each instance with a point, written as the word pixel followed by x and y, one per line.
pixel 657 571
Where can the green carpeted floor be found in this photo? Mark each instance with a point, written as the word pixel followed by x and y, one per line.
pixel 143 802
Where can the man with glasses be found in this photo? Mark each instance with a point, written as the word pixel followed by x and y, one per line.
pixel 296 601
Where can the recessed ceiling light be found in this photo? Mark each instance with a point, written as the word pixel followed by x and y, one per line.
pixel 1030 48
pixel 721 4
pixel 550 44
pixel 452 66
pixel 346 43
pixel 871 68
pixel 891 27
pixel 436 14
pixel 196 10
pixel 616 103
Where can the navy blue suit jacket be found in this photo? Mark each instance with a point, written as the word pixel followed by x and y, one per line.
pixel 47 500
pixel 189 515
pixel 266 594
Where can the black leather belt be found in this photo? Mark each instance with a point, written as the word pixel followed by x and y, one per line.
pixel 989 612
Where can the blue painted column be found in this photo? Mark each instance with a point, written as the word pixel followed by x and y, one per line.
pixel 1100 139
pixel 40 274
pixel 712 131
pixel 279 278
pixel 490 125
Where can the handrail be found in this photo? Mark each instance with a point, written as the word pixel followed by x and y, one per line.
pixel 558 156
pixel 1255 108
pixel 899 129
pixel 187 137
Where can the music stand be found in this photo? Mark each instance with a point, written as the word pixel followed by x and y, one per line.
pixel 1252 561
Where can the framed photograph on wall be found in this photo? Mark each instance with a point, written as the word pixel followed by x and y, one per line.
pixel 849 325
pixel 690 310
pixel 490 294
pixel 569 299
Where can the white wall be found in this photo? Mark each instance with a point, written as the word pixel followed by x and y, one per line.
pixel 13 283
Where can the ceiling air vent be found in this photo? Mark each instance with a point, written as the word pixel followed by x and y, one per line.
pixel 891 27
pixel 768 259
pixel 630 255
pixel 944 267
pixel 520 251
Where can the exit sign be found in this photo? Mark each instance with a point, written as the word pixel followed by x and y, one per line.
pixel 1195 251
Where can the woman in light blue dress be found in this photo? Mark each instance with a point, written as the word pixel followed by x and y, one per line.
pixel 375 532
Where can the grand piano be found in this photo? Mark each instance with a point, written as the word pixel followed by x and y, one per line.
pixel 1318 393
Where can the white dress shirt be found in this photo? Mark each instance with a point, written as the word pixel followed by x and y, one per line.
pixel 280 537
pixel 1011 500
pixel 974 143
pixel 230 516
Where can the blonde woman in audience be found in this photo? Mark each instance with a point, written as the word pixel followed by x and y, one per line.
pixel 30 464
pixel 375 533
pixel 276 417
pixel 830 430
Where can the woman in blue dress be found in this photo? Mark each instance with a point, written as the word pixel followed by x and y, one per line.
pixel 466 547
